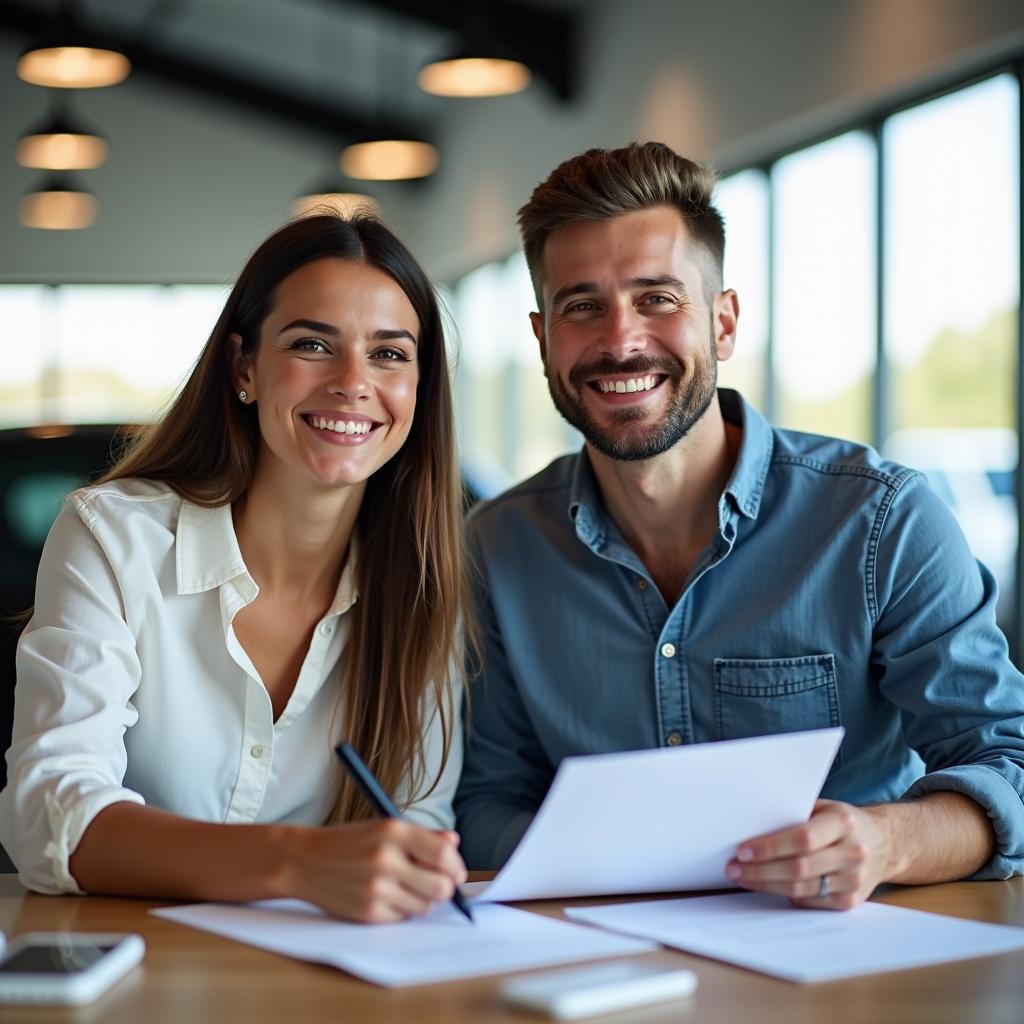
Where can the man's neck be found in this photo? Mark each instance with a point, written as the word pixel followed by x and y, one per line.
pixel 667 507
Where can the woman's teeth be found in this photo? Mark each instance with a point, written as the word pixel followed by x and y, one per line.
pixel 340 426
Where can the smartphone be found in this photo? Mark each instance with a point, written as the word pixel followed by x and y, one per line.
pixel 64 967
pixel 597 989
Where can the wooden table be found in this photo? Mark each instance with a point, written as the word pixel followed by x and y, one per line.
pixel 190 977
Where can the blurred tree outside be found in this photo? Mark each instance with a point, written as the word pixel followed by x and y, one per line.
pixel 962 380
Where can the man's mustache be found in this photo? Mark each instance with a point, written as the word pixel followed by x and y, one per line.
pixel 638 366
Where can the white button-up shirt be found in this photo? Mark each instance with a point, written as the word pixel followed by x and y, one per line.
pixel 133 686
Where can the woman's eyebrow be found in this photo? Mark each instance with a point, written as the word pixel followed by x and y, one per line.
pixel 312 325
pixel 395 334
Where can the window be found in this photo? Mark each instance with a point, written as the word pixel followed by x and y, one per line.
pixel 742 200
pixel 508 427
pixel 100 353
pixel 824 327
pixel 950 334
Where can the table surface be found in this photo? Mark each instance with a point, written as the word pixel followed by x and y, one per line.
pixel 194 977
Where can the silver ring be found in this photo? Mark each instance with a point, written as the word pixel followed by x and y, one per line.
pixel 823 887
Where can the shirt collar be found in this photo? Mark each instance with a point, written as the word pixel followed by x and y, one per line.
pixel 586 508
pixel 208 556
pixel 746 485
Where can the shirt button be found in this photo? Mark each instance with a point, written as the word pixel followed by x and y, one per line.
pixel 326 628
pixel 256 751
pixel 641 584
pixel 673 739
pixel 668 651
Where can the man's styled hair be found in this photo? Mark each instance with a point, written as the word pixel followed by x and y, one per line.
pixel 603 183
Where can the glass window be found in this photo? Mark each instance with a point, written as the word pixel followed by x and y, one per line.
pixel 824 331
pixel 99 353
pixel 951 272
pixel 124 350
pixel 508 427
pixel 23 312
pixel 743 201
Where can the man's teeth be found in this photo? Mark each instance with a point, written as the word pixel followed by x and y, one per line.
pixel 621 387
pixel 341 426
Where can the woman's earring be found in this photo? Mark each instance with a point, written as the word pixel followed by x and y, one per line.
pixel 242 395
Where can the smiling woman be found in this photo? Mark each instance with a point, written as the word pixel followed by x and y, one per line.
pixel 273 567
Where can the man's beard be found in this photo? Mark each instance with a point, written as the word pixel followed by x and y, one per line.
pixel 644 440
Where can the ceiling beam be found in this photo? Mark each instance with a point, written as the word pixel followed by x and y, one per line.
pixel 255 94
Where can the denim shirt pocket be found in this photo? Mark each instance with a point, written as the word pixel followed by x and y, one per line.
pixel 765 696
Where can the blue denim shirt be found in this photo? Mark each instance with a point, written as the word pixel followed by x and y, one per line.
pixel 838 590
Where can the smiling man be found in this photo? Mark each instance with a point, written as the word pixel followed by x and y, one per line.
pixel 694 574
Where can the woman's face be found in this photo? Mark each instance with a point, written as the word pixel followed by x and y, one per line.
pixel 334 374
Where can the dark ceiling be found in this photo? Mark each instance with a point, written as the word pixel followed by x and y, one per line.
pixel 340 67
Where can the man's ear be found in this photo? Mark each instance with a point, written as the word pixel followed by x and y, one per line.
pixel 726 314
pixel 537 323
pixel 241 367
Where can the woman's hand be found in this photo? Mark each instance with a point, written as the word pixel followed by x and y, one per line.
pixel 850 846
pixel 380 870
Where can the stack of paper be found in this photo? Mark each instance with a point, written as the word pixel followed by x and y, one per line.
pixel 765 933
pixel 441 946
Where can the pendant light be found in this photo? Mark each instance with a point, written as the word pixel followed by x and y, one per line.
pixel 388 157
pixel 57 206
pixel 61 143
pixel 469 74
pixel 481 66
pixel 66 56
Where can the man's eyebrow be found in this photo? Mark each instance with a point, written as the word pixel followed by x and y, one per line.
pixel 573 289
pixel 586 287
pixel 312 325
pixel 657 282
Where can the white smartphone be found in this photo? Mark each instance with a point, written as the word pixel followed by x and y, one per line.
pixel 65 967
pixel 598 988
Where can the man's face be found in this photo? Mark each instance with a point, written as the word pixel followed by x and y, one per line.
pixel 629 342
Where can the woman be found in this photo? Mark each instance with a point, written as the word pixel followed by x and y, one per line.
pixel 274 566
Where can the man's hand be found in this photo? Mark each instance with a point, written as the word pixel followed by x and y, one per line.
pixel 851 846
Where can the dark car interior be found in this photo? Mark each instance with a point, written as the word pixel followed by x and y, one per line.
pixel 38 466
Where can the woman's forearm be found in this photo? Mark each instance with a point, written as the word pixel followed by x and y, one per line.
pixel 131 850
pixel 375 870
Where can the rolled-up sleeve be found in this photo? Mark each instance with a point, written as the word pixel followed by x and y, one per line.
pixel 77 671
pixel 942 660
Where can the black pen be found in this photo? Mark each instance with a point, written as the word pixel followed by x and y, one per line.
pixel 380 801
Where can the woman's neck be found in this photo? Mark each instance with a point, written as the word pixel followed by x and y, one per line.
pixel 294 539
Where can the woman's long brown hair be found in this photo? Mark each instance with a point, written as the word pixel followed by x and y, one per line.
pixel 411 571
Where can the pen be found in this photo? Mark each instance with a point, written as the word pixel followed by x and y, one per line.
pixel 380 801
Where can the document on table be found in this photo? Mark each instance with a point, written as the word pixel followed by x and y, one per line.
pixel 440 946
pixel 763 932
pixel 661 820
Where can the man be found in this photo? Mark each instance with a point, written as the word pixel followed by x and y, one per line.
pixel 694 575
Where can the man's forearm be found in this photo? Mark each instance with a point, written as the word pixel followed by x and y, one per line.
pixel 939 837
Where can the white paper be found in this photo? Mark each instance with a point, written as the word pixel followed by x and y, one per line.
pixel 662 820
pixel 440 946
pixel 765 933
